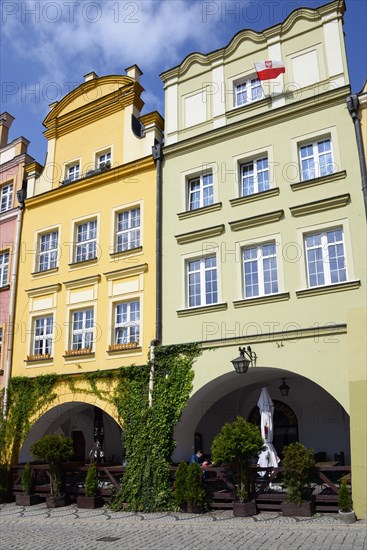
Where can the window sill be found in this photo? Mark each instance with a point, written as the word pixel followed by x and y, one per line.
pixel 242 109
pixel 38 359
pixel 198 211
pixel 281 297
pixel 125 253
pixel 5 287
pixel 273 192
pixel 328 289
pixel 91 261
pixel 319 181
pixel 201 309
pixel 45 272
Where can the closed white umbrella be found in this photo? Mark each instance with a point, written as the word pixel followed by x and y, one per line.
pixel 268 457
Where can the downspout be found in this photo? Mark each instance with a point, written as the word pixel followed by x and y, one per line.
pixel 157 156
pixel 353 106
pixel 13 285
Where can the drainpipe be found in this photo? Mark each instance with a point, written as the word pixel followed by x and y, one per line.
pixel 353 106
pixel 157 156
pixel 13 284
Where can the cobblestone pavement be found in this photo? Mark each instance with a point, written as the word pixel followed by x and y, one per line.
pixel 70 528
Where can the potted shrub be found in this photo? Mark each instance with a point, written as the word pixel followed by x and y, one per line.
pixel 298 463
pixel 27 498
pixel 189 492
pixel 238 442
pixel 54 449
pixel 346 512
pixel 91 499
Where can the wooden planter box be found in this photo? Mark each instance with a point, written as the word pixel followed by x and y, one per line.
pixel 305 509
pixel 56 502
pixel 22 499
pixel 244 509
pixel 83 501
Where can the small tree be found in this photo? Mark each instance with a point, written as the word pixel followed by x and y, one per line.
pixel 195 492
pixel 238 442
pixel 298 463
pixel 91 482
pixel 53 449
pixel 180 484
pixel 344 498
pixel 27 480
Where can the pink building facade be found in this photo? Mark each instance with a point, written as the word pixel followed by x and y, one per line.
pixel 13 159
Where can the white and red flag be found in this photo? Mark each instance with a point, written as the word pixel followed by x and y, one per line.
pixel 266 70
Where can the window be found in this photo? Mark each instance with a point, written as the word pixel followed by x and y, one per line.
pixel 1 344
pixel 202 282
pixel 247 91
pixel 254 177
pixel 47 251
pixel 73 171
pixel 6 197
pixel 86 241
pixel 82 329
pixel 4 268
pixel 201 191
pixel 127 323
pixel 42 335
pixel 316 159
pixel 260 270
pixel 325 255
pixel 104 159
pixel 128 230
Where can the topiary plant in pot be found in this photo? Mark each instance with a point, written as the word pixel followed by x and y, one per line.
pixel 298 463
pixel 346 512
pixel 27 497
pixel 189 492
pixel 180 486
pixel 238 442
pixel 54 449
pixel 91 499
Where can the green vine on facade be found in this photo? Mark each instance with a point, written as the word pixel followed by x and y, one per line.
pixel 148 431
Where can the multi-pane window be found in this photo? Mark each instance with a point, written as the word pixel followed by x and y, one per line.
pixel 127 323
pixel 202 284
pixel 42 335
pixel 247 91
pixel 6 197
pixel 128 230
pixel 254 176
pixel 86 241
pixel 316 159
pixel 82 329
pixel 4 268
pixel 104 159
pixel 73 171
pixel 201 191
pixel 47 251
pixel 260 270
pixel 325 255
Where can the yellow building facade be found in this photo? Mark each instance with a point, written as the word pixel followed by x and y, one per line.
pixel 87 283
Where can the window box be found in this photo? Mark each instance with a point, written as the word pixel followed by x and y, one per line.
pixel 82 351
pixel 39 357
pixel 123 347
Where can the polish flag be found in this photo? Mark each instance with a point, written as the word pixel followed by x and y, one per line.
pixel 266 70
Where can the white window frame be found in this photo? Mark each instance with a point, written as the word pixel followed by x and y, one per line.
pixel 49 256
pixel 324 247
pixel 4 267
pixel 72 171
pixel 201 179
pixel 260 271
pixel 256 173
pixel 202 272
pixel 131 232
pixel 315 158
pixel 246 85
pixel 1 345
pixel 6 197
pixel 86 332
pixel 129 325
pixel 103 157
pixel 86 249
pixel 44 337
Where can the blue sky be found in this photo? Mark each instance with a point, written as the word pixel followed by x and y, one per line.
pixel 47 46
